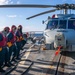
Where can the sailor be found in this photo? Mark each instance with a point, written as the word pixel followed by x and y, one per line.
pixel 6 58
pixel 18 43
pixel 23 42
pixel 13 31
pixel 27 34
pixel 10 41
pixel 2 50
pixel 25 37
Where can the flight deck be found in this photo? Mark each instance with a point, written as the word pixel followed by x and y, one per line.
pixel 36 61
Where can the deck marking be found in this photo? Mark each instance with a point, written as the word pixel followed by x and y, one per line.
pixel 25 56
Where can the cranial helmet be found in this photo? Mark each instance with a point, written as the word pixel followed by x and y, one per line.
pixel 20 26
pixel 6 28
pixel 13 26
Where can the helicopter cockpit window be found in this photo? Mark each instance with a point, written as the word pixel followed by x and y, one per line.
pixel 62 24
pixel 71 24
pixel 52 24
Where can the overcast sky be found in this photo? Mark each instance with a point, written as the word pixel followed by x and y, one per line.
pixel 10 16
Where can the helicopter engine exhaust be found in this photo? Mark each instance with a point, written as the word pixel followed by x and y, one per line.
pixel 60 40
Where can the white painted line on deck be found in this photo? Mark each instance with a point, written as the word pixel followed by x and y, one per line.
pixel 25 56
pixel 45 66
pixel 21 63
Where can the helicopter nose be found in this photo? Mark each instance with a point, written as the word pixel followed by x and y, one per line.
pixel 60 40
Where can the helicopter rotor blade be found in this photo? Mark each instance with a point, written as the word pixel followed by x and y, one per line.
pixel 26 5
pixel 42 13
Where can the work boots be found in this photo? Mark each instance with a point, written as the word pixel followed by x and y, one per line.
pixel 8 65
pixel 1 70
pixel 11 64
pixel 14 60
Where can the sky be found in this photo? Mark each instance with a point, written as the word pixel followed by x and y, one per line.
pixel 17 16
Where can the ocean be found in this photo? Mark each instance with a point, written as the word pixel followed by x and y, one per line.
pixel 37 35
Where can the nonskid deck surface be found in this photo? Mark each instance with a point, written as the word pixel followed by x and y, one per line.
pixel 36 61
pixel 10 69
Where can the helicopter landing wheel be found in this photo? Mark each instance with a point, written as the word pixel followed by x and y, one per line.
pixel 50 46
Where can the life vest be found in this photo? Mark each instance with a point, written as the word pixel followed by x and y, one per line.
pixel 19 36
pixel 10 37
pixel 3 41
pixel 14 37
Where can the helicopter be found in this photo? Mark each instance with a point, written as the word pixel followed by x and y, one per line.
pixel 60 28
